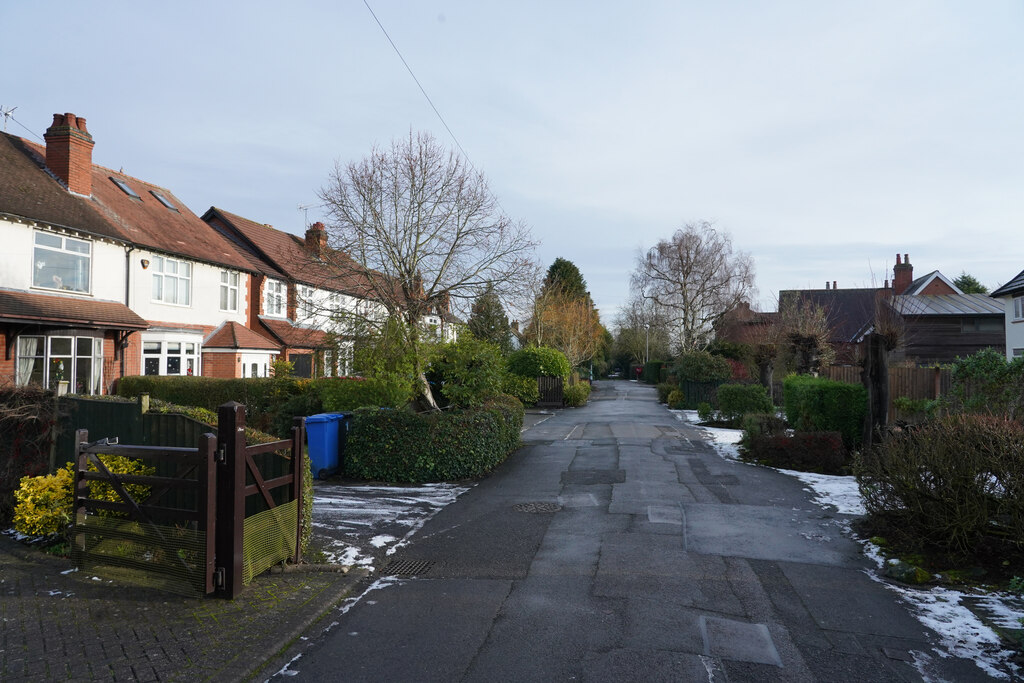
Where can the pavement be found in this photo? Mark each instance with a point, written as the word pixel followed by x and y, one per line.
pixel 59 624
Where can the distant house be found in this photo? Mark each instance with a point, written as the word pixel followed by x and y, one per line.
pixel 102 274
pixel 1011 297
pixel 940 321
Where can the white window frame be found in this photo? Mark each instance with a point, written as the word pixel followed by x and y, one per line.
pixel 1018 353
pixel 55 366
pixel 229 281
pixel 61 249
pixel 306 309
pixel 275 301
pixel 172 280
pixel 167 354
pixel 1018 308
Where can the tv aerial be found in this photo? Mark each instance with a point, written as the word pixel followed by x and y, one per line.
pixel 304 208
pixel 8 113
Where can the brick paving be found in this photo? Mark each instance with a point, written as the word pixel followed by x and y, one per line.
pixel 58 625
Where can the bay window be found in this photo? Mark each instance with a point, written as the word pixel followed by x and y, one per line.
pixel 49 360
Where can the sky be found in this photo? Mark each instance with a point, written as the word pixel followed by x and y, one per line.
pixel 824 138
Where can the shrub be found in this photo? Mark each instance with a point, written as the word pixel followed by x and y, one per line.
pixel 986 383
pixel 651 373
pixel 701 366
pixel 820 452
pixel 44 504
pixel 736 400
pixel 468 370
pixel 952 484
pixel 523 388
pixel 755 425
pixel 676 400
pixel 27 417
pixel 538 361
pixel 705 412
pixel 399 446
pixel 388 390
pixel 664 389
pixel 816 404
pixel 575 395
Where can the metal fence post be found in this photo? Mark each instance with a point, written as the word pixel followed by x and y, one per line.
pixel 298 472
pixel 230 495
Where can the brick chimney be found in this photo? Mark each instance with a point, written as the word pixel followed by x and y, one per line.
pixel 316 239
pixel 902 274
pixel 69 152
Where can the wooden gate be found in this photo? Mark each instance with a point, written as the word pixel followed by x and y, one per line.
pixel 551 389
pixel 219 515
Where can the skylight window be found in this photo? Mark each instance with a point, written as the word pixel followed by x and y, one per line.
pixel 125 188
pixel 163 200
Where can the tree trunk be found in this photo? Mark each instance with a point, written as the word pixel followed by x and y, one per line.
pixel 875 378
pixel 765 375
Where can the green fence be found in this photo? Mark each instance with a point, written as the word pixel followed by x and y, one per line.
pixel 699 392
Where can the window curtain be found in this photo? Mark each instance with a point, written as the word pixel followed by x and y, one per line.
pixel 30 351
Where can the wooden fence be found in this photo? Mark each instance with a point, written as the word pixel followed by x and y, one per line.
pixel 912 383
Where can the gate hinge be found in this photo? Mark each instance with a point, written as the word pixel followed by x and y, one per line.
pixel 219 576
pixel 221 456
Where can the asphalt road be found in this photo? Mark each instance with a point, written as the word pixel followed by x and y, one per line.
pixel 618 546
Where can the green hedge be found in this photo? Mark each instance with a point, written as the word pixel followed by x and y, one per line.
pixel 576 395
pixel 538 361
pixel 374 392
pixel 652 371
pixel 400 446
pixel 736 400
pixel 523 388
pixel 816 404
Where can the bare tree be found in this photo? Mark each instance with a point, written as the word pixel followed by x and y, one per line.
pixel 694 278
pixel 424 232
pixel 640 331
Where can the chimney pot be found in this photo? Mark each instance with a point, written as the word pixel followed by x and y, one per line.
pixel 906 259
pixel 834 285
pixel 826 284
pixel 897 259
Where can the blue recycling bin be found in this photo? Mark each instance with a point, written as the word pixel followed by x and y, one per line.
pixel 324 436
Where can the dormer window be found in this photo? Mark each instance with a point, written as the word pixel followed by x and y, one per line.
pixel 163 200
pixel 126 188
pixel 60 262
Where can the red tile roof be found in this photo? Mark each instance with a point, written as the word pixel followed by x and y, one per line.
pixel 286 253
pixel 232 335
pixel 48 309
pixel 28 190
pixel 293 336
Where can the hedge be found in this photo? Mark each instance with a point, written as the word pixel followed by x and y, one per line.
pixel 576 395
pixel 400 446
pixel 538 361
pixel 820 452
pixel 816 404
pixel 736 400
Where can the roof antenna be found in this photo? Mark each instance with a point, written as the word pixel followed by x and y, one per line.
pixel 304 208
pixel 8 114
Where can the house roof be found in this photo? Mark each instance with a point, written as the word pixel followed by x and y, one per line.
pixel 947 304
pixel 65 311
pixel 29 191
pixel 233 335
pixel 291 335
pixel 1014 286
pixel 919 284
pixel 849 311
pixel 284 253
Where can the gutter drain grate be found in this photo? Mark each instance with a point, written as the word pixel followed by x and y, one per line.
pixel 407 568
pixel 537 507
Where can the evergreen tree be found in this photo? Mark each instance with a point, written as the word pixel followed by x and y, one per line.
pixel 488 322
pixel 970 284
pixel 565 278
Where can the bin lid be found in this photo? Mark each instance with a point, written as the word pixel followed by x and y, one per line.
pixel 325 417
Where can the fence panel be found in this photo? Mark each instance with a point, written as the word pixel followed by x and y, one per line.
pixel 696 393
pixel 168 429
pixel 101 418
pixel 912 383
pixel 551 392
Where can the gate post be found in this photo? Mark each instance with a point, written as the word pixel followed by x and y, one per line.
pixel 206 495
pixel 298 472
pixel 230 495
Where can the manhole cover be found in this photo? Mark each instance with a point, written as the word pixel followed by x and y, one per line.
pixel 407 568
pixel 537 507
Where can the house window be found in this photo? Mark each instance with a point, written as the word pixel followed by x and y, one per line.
pixel 170 358
pixel 228 291
pixel 48 361
pixel 172 281
pixel 979 325
pixel 274 298
pixel 305 302
pixel 61 262
pixel 1018 353
pixel 1018 308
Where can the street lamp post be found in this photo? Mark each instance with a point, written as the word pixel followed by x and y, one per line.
pixel 647 347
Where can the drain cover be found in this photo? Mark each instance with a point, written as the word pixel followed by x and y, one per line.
pixel 537 507
pixel 407 568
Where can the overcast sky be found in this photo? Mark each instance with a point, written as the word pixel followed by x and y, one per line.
pixel 825 137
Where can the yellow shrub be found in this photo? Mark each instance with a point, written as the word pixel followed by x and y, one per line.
pixel 43 505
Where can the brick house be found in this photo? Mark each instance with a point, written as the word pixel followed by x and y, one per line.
pixel 103 275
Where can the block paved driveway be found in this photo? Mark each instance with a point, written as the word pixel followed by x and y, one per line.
pixel 618 546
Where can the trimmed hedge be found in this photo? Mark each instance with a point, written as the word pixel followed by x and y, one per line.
pixel 816 404
pixel 820 452
pixel 349 393
pixel 736 400
pixel 523 388
pixel 400 446
pixel 538 361
pixel 652 371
